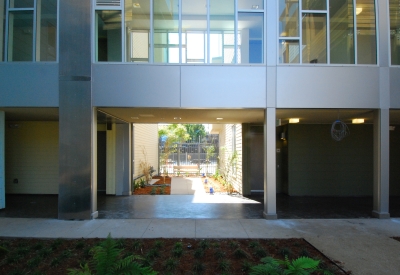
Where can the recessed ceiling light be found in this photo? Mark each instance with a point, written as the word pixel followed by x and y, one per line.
pixel 146 115
pixel 220 118
pixel 177 118
pixel 136 5
pixel 134 117
pixel 357 120
pixel 294 120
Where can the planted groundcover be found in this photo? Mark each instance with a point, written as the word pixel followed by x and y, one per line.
pixel 161 256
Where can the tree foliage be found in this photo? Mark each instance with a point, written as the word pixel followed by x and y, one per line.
pixel 195 131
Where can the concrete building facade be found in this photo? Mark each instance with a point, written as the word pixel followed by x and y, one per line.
pixel 82 65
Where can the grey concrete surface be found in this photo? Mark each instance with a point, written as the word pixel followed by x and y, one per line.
pixel 362 246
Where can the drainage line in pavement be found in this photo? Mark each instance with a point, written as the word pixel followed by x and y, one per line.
pixel 329 259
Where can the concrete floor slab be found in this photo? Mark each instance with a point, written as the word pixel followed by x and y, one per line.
pixel 171 228
pixel 270 228
pixel 220 229
pixel 121 229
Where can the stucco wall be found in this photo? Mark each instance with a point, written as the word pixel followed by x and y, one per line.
pixel 225 138
pixel 320 166
pixel 145 139
pixel 32 157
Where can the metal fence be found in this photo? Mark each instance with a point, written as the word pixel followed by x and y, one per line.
pixel 192 153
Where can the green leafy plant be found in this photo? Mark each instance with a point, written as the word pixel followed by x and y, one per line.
pixel 271 266
pixel 223 265
pixel 171 264
pixel 153 190
pixel 199 266
pixel 107 261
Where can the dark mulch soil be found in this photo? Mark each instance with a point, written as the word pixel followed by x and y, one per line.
pixel 210 256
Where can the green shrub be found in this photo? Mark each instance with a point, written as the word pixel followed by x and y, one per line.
pixel 107 260
pixel 153 190
pixel 271 266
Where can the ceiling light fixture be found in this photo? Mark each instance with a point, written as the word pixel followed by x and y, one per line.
pixel 294 120
pixel 220 118
pixel 255 7
pixel 177 118
pixel 357 120
pixel 134 117
pixel 146 115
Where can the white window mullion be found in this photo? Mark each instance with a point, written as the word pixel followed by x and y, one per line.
pixel 6 40
pixel 207 50
pixel 300 32
pixel 151 33
pixel 355 31
pixel 37 15
pixel 180 31
pixel 124 50
pixel 235 34
pixel 328 35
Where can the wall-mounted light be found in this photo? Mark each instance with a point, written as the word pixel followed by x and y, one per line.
pixel 358 11
pixel 294 120
pixel 283 136
pixel 357 120
pixel 391 128
pixel 136 5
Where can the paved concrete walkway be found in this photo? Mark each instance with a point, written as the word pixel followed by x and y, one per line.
pixel 187 186
pixel 363 246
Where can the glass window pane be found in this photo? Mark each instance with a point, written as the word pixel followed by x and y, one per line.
pixel 195 49
pixel 137 25
pixel 21 3
pixel 366 32
pixel 314 38
pixel 194 24
pixel 46 48
pixel 222 21
pixel 289 51
pixel 108 36
pixel 250 5
pixel 288 18
pixel 165 23
pixel 2 27
pixel 342 32
pixel 20 36
pixel 394 8
pixel 314 4
pixel 251 36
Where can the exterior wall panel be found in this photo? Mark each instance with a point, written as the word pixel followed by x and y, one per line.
pixel 320 166
pixel 131 85
pixel 328 87
pixel 32 158
pixel 223 86
pixel 29 85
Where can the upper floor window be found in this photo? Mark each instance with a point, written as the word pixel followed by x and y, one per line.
pixel 29 30
pixel 394 9
pixel 179 31
pixel 327 31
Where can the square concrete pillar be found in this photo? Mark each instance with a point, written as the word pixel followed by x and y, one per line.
pixel 381 164
pixel 270 164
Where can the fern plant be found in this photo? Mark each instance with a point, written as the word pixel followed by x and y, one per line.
pixel 299 266
pixel 107 261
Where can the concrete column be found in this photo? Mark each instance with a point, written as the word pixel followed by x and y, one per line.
pixel 76 115
pixel 381 164
pixel 270 164
pixel 95 213
pixel 2 161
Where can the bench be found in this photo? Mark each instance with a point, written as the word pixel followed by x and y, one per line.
pixel 186 169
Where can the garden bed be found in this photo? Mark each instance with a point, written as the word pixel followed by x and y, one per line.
pixel 166 256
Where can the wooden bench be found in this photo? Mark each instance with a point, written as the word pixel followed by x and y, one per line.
pixel 186 169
